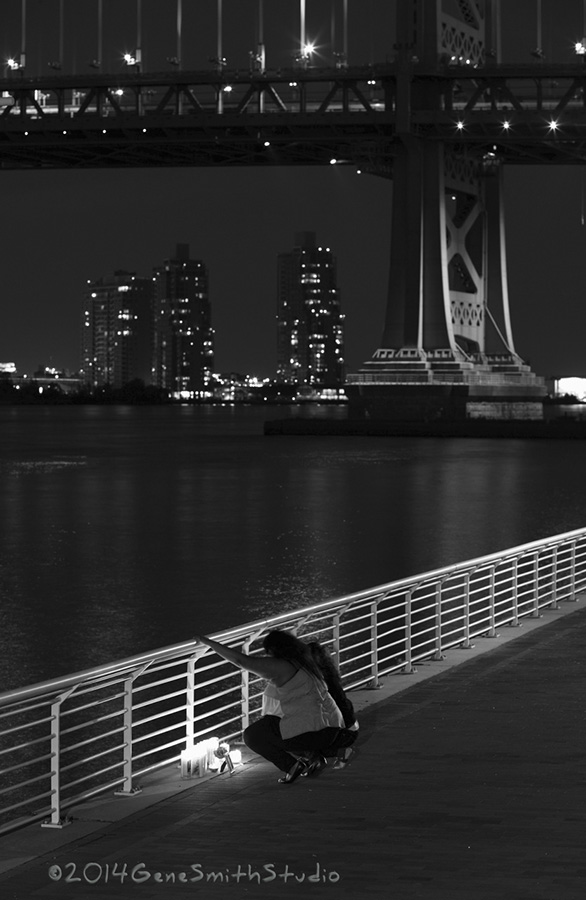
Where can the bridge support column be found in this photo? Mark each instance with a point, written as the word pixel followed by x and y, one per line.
pixel 447 346
pixel 447 349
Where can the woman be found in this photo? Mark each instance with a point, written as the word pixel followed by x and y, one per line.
pixel 309 722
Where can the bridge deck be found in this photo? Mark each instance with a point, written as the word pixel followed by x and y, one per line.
pixel 468 785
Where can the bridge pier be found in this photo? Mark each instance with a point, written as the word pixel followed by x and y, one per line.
pixel 447 347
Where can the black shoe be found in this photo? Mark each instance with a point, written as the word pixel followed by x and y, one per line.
pixel 317 763
pixel 298 768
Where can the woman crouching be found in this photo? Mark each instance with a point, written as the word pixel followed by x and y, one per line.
pixel 301 721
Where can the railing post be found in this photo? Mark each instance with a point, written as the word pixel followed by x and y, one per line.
pixel 466 644
pixel 535 613
pixel 409 668
pixel 554 580
pixel 374 645
pixel 336 636
pixel 190 699
pixel 56 820
pixel 515 606
pixel 245 687
pixel 492 630
pixel 245 683
pixel 573 572
pixel 438 621
pixel 128 790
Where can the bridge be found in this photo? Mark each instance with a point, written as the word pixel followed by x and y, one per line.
pixel 441 118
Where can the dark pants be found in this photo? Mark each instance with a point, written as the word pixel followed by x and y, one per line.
pixel 264 737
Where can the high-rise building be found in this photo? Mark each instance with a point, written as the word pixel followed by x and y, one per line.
pixel 116 342
pixel 310 326
pixel 183 358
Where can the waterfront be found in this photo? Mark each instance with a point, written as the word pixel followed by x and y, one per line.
pixel 128 528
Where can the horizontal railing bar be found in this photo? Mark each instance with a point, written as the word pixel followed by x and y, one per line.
pixel 93 792
pixel 91 775
pixel 73 728
pixel 91 740
pixel 151 685
pixel 26 783
pixel 23 765
pixel 145 753
pixel 10 708
pixel 92 758
pixel 25 726
pixel 161 715
pixel 27 802
pixel 16 747
pixel 157 700
pixel 76 710
pixel 151 734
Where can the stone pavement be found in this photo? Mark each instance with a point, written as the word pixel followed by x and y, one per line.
pixel 469 784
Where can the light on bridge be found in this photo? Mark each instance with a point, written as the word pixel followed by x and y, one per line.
pixel 132 59
pixel 580 47
pixel 460 126
pixel 553 125
pixel 506 125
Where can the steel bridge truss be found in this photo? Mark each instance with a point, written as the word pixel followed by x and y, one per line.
pixel 518 115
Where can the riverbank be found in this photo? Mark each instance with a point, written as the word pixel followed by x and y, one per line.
pixel 562 427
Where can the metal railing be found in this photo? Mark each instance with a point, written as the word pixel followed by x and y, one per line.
pixel 65 740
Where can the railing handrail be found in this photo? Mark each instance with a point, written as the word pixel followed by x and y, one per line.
pixel 187 648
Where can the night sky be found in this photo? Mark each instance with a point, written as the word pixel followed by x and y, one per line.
pixel 61 228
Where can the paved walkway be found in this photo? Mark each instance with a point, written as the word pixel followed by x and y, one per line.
pixel 469 784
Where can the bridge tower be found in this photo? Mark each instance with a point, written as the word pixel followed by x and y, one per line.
pixel 447 348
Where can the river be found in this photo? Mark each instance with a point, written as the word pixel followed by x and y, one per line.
pixel 129 528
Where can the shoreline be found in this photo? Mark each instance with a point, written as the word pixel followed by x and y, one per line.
pixel 558 428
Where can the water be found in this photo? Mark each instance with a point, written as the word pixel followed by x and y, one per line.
pixel 125 529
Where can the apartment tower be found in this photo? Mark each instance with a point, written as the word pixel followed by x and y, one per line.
pixel 183 357
pixel 116 336
pixel 310 326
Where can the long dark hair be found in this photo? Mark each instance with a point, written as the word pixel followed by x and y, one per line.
pixel 333 680
pixel 284 645
pixel 322 658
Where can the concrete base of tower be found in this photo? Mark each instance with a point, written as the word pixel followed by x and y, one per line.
pixel 444 402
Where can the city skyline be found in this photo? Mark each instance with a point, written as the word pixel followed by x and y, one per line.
pixel 157 329
pixel 41 294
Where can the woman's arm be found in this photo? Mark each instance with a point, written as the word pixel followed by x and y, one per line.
pixel 277 670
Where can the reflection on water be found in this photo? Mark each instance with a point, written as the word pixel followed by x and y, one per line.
pixel 126 529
